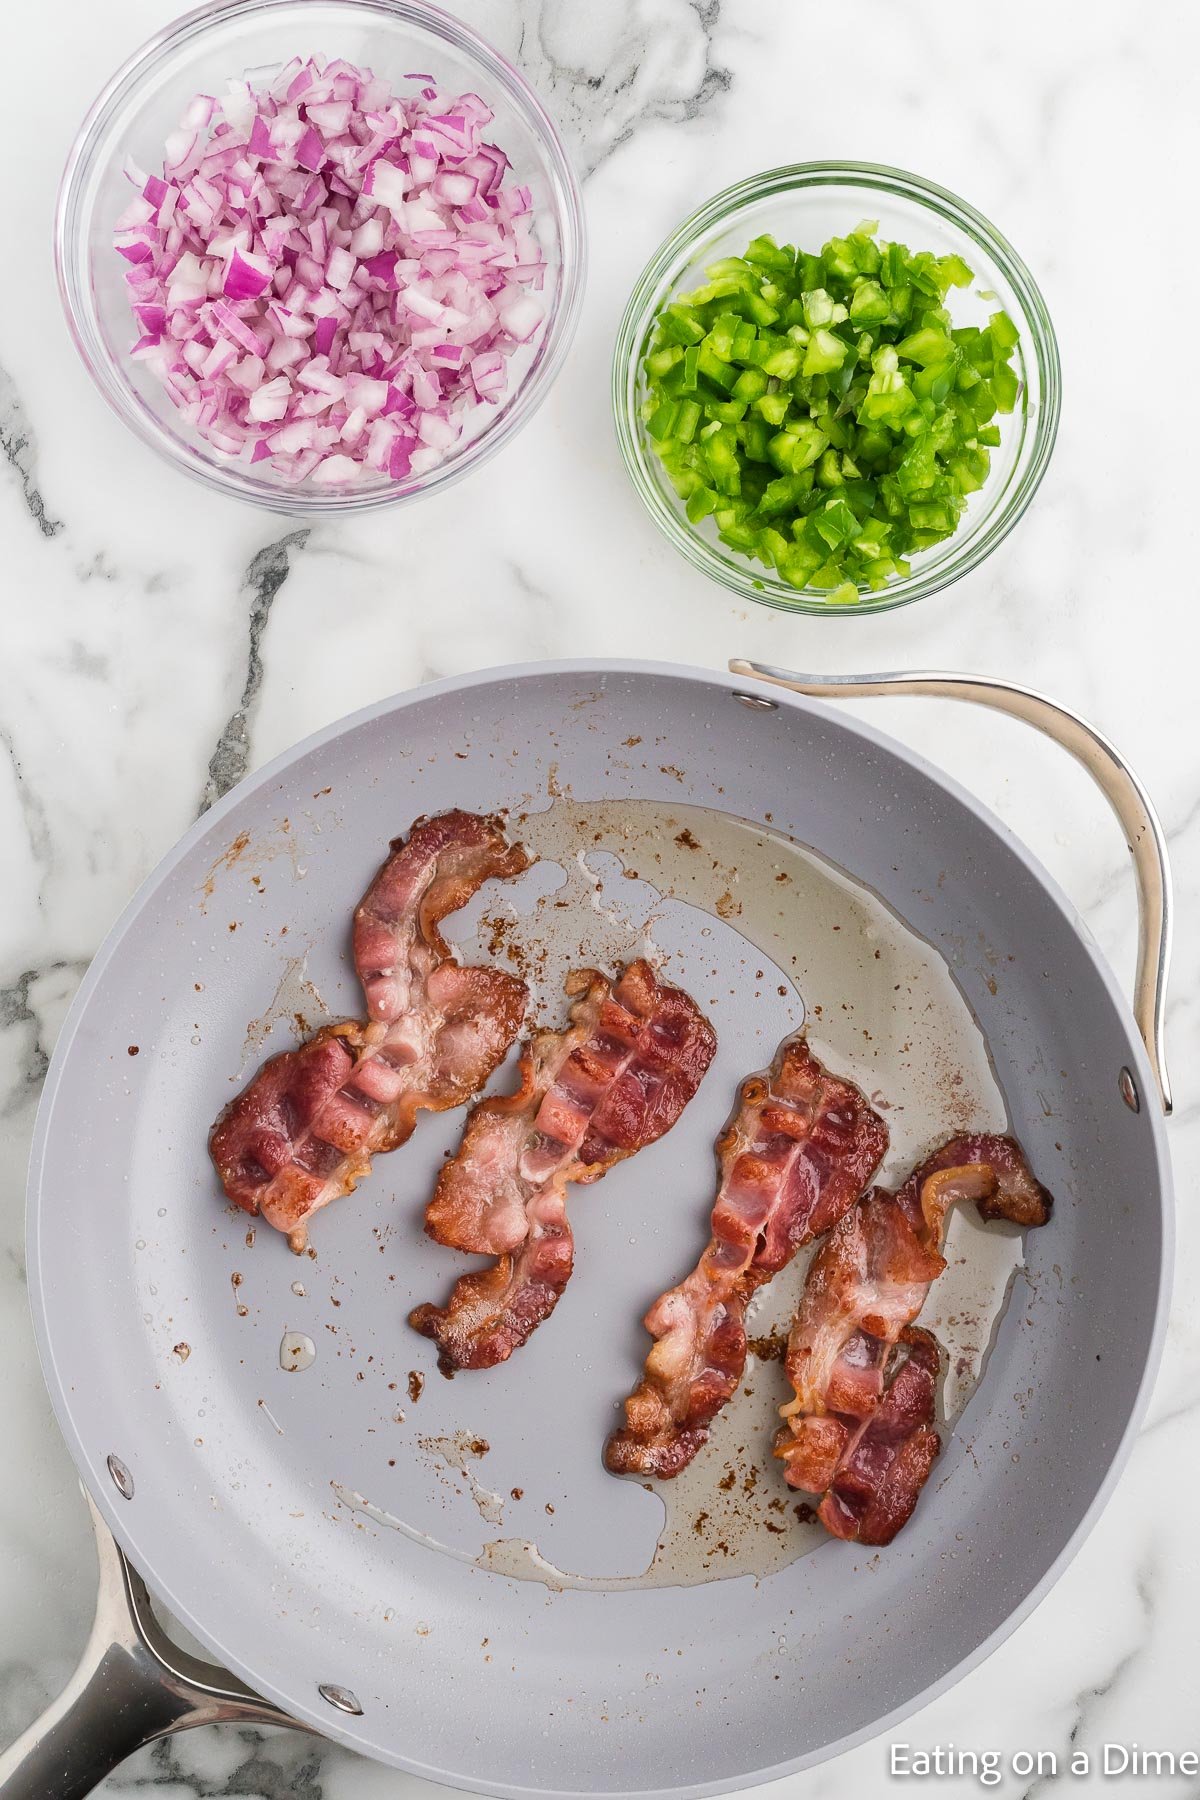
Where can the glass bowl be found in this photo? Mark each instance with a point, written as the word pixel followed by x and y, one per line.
pixel 806 204
pixel 253 38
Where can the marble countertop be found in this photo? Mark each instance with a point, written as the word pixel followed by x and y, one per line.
pixel 156 643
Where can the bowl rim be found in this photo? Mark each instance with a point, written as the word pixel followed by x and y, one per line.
pixel 760 584
pixel 71 256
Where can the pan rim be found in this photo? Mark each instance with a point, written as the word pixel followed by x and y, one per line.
pixel 57 1384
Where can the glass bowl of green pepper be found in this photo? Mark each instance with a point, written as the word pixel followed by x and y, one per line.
pixel 836 388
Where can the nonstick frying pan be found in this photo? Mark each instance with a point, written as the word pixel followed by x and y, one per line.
pixel 212 1467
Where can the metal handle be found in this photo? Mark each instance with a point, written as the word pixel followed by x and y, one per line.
pixel 1109 770
pixel 132 1685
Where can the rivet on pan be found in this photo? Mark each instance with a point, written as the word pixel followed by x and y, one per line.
pixel 758 701
pixel 1129 1091
pixel 122 1479
pixel 341 1697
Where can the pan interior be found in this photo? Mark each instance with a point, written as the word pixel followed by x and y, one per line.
pixel 322 1523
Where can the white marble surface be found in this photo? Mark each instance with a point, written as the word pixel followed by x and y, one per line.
pixel 156 641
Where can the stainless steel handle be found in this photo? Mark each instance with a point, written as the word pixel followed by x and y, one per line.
pixel 132 1685
pixel 1109 770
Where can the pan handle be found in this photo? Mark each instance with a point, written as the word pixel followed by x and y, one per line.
pixel 132 1685
pixel 1109 770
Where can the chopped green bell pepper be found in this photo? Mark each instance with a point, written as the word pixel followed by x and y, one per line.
pixel 824 411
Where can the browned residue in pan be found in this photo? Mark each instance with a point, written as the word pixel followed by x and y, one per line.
pixel 456 1451
pixel 296 1001
pixel 232 854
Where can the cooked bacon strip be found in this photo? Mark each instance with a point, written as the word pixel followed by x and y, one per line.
pixel 798 1152
pixel 305 1129
pixel 615 1080
pixel 442 864
pixel 879 1477
pixel 865 1287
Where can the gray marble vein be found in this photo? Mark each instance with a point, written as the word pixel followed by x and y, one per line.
pixel 281 1766
pixel 1090 1702
pixel 19 448
pixel 15 1010
pixel 266 575
pixel 19 1006
pixel 33 811
pixel 608 70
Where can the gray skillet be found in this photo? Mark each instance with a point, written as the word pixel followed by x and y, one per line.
pixel 214 1471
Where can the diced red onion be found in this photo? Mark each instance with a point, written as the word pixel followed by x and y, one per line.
pixel 520 315
pixel 329 276
pixel 246 276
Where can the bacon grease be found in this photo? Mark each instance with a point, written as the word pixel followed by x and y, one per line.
pixel 882 1007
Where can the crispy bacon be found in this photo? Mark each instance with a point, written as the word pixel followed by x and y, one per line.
pixel 879 1478
pixel 397 941
pixel 798 1152
pixel 305 1129
pixel 855 1420
pixel 615 1080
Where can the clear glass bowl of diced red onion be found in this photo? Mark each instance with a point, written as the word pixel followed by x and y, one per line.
pixel 324 255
